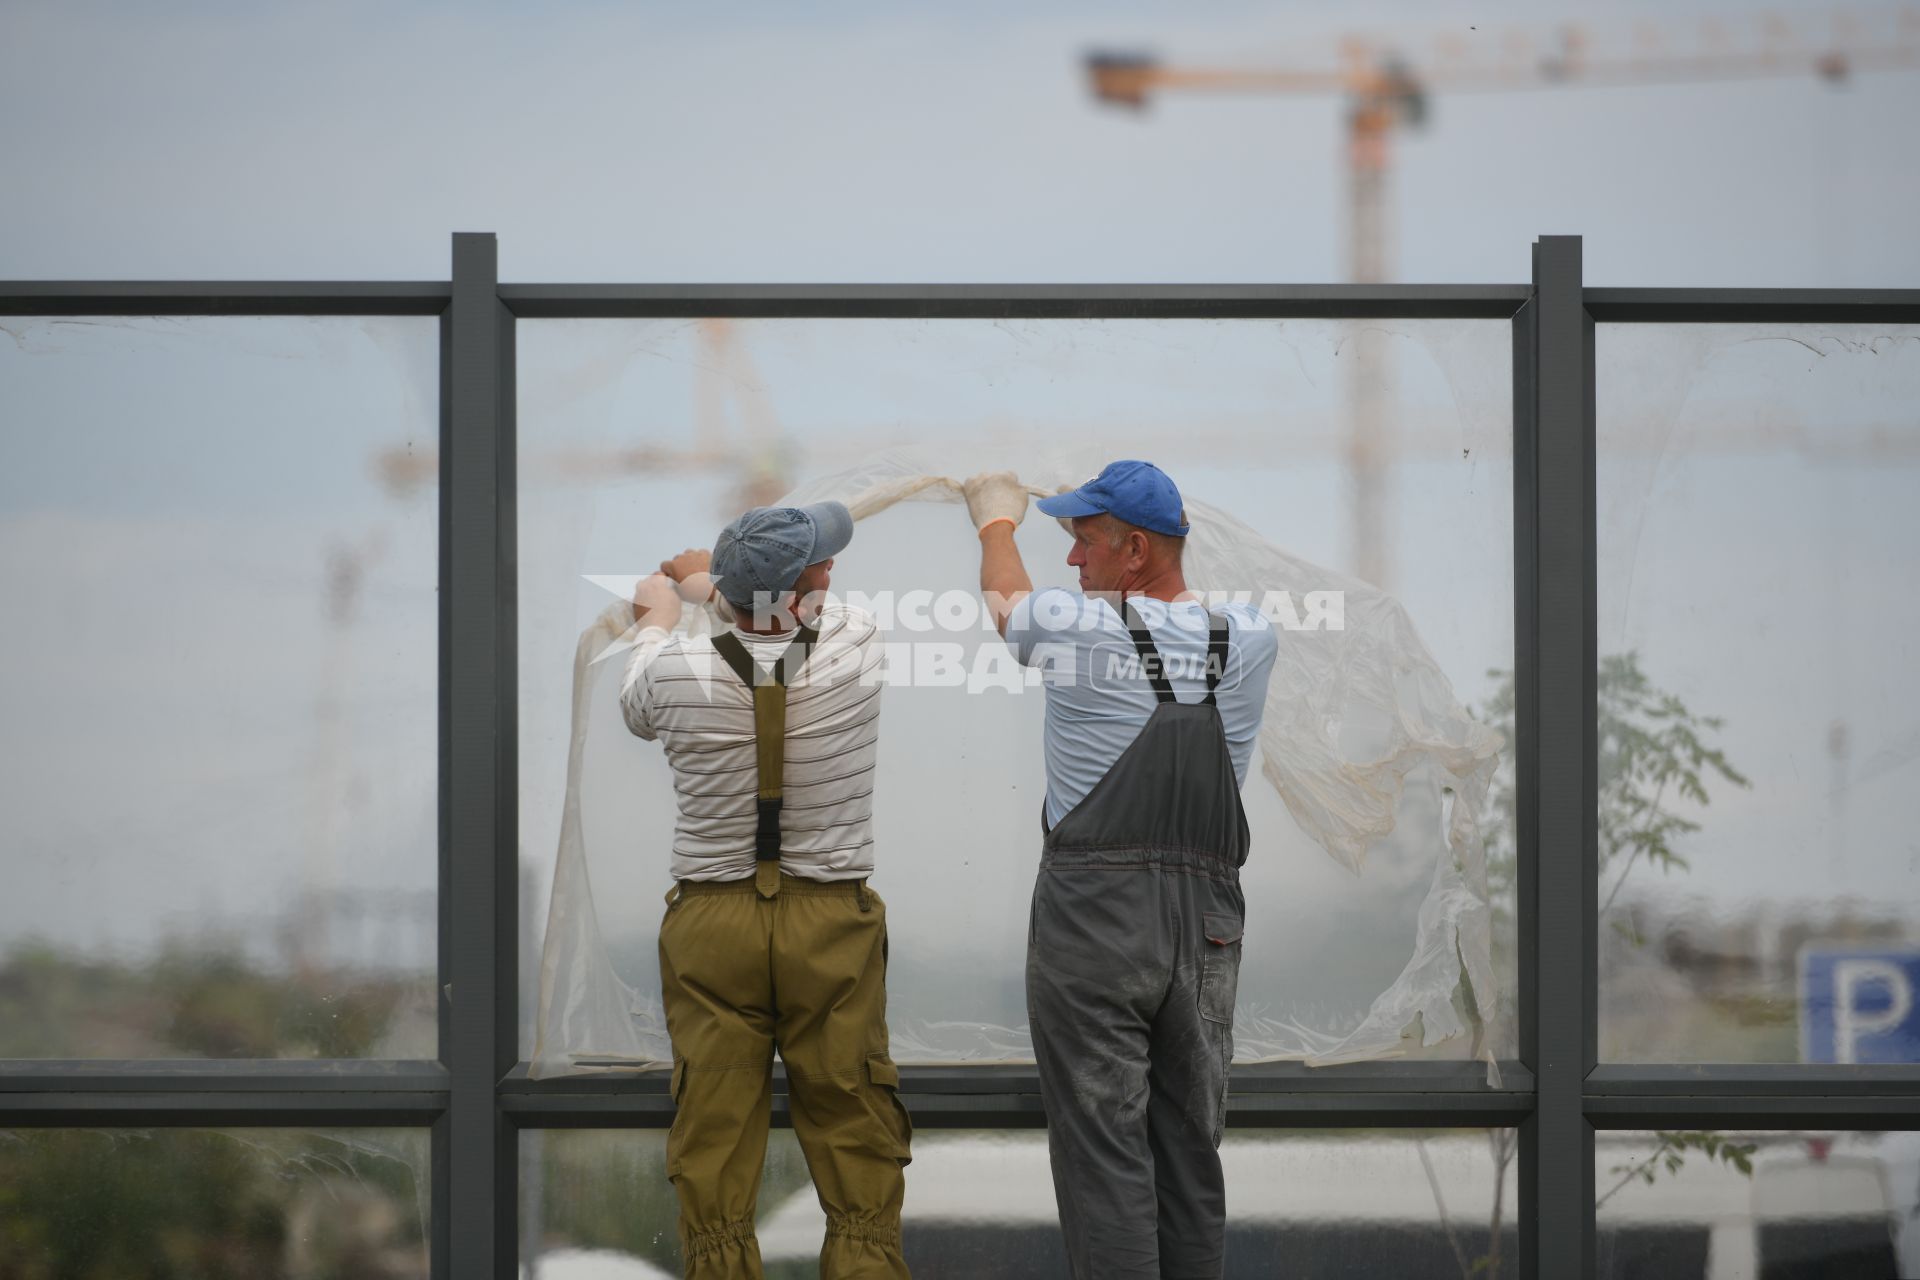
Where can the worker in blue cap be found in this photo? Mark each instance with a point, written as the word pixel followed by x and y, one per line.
pixel 1153 708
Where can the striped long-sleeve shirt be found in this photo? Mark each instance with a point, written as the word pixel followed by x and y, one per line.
pixel 679 691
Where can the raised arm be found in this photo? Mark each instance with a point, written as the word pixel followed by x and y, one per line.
pixel 692 575
pixel 655 605
pixel 997 502
pixel 656 602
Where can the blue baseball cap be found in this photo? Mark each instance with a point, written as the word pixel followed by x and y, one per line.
pixel 767 548
pixel 1136 492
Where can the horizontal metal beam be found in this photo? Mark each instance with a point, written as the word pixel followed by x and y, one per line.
pixel 655 1110
pixel 1740 1080
pixel 1680 306
pixel 1398 1110
pixel 1012 1077
pixel 1754 306
pixel 275 1109
pixel 1467 1078
pixel 549 301
pixel 997 1095
pixel 222 297
pixel 344 1075
pixel 1000 301
pixel 1773 1111
pixel 1013 1110
pixel 996 1077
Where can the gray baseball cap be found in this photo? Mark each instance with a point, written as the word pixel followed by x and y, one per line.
pixel 767 548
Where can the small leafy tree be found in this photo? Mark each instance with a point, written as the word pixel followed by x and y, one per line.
pixel 1653 753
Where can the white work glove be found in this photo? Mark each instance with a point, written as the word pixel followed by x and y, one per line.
pixel 995 495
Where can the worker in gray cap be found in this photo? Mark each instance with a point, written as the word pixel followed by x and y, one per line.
pixel 1133 953
pixel 772 939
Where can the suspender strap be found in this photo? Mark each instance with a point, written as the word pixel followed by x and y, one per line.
pixel 1216 653
pixel 1150 664
pixel 769 740
pixel 1155 668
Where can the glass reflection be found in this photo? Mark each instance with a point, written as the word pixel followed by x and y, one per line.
pixel 1675 1205
pixel 980 1205
pixel 1759 507
pixel 240 1204
pixel 218 701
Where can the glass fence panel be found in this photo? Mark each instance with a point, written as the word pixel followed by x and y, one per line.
pixel 1759 515
pixel 1726 1205
pixel 1363 455
pixel 980 1205
pixel 215 1204
pixel 219 550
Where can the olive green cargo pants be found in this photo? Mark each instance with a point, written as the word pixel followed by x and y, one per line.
pixel 804 971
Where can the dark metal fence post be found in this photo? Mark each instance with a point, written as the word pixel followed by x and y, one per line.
pixel 1525 745
pixel 474 1236
pixel 1558 838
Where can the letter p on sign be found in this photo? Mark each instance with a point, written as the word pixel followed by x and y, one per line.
pixel 1857 1006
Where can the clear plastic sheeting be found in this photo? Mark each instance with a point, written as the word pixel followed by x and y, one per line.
pixel 1363 741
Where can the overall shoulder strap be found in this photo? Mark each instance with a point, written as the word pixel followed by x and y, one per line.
pixel 1216 653
pixel 795 656
pixel 769 738
pixel 1150 664
pixel 735 655
pixel 733 651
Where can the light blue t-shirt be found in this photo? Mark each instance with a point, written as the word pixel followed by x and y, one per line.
pixel 1098 699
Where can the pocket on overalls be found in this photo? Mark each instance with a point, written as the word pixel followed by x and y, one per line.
pixel 1220 966
pixel 883 1076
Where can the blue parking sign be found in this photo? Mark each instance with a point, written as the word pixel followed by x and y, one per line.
pixel 1857 1005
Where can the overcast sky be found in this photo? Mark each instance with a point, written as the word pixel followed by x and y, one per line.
pixel 860 141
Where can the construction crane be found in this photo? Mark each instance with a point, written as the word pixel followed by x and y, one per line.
pixel 754 451
pixel 1386 90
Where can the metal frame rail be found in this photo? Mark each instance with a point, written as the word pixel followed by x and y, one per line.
pixel 476 1098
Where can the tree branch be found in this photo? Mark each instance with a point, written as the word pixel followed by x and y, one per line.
pixel 1634 1172
pixel 1653 811
pixel 1446 1224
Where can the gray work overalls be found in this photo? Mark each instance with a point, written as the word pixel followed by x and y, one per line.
pixel 1132 958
